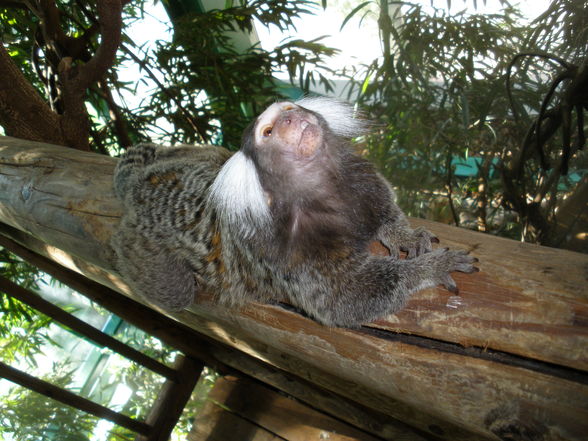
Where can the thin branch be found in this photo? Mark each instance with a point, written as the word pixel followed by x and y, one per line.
pixel 511 65
pixel 164 89
pixel 449 186
pixel 120 126
pixel 539 140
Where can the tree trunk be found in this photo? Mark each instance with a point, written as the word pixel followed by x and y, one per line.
pixel 23 113
pixel 507 358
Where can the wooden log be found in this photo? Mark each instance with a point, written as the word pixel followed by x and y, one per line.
pixel 507 358
pixel 528 300
pixel 214 423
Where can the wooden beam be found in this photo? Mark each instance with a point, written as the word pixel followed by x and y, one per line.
pixel 172 399
pixel 213 423
pixel 66 397
pixel 528 300
pixel 507 356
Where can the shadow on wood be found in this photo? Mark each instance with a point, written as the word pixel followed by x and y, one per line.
pixel 238 409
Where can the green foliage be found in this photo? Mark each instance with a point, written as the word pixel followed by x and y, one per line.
pixel 29 340
pixel 42 418
pixel 29 416
pixel 15 27
pixel 438 93
pixel 222 86
pixel 562 28
pixel 207 85
pixel 22 329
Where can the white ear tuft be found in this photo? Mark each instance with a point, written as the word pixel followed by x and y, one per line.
pixel 239 197
pixel 340 116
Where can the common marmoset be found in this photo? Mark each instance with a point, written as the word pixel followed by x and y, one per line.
pixel 289 216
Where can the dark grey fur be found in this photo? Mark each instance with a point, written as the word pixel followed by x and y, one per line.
pixel 284 229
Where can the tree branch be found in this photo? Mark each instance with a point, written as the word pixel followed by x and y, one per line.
pixel 23 113
pixel 109 17
pixel 118 120
pixel 189 118
pixel 76 79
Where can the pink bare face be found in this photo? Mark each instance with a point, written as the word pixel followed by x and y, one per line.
pixel 290 128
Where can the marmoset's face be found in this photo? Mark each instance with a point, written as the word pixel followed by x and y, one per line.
pixel 290 129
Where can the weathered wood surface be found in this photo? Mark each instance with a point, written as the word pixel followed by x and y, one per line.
pixel 264 414
pixel 507 358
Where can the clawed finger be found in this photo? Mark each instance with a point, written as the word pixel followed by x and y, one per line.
pixel 449 284
pixel 465 264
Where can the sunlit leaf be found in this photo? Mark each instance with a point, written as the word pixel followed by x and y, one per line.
pixel 352 13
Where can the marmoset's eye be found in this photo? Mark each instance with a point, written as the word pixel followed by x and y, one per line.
pixel 267 132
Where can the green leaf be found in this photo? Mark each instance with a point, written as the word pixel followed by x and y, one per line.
pixel 352 13
pixel 366 83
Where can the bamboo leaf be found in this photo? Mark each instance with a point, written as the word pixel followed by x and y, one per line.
pixel 352 13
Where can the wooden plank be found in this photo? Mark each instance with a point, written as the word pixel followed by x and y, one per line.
pixel 397 377
pixel 213 423
pixel 345 409
pixel 527 300
pixel 463 363
pixel 280 415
